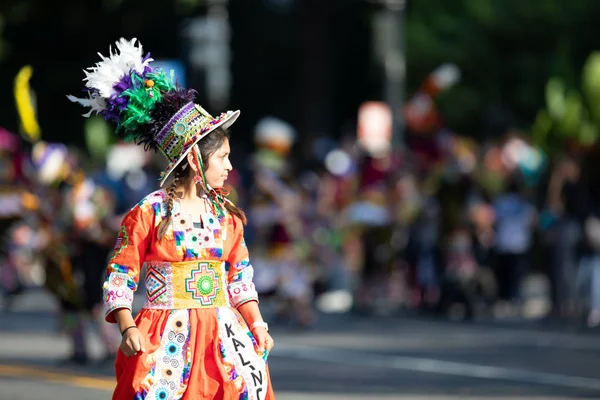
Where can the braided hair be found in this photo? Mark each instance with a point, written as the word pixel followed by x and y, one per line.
pixel 164 224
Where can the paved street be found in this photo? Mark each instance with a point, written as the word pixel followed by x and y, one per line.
pixel 343 358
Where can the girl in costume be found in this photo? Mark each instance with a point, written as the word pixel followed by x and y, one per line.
pixel 200 334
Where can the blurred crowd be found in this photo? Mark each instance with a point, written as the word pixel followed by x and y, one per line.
pixel 443 225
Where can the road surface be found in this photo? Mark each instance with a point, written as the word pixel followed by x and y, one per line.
pixel 342 357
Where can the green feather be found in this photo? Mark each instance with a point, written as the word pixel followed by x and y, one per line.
pixel 141 103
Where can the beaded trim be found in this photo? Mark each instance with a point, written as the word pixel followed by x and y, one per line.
pixel 181 129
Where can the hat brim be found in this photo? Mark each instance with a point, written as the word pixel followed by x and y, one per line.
pixel 224 123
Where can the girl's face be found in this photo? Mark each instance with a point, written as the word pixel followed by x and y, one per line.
pixel 219 166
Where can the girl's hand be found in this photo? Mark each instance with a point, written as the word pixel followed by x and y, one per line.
pixel 133 342
pixel 265 341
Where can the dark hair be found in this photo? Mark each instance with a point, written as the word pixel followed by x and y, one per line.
pixel 208 146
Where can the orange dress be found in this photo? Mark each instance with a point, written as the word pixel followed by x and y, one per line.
pixel 197 344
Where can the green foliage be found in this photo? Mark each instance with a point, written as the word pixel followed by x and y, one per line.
pixel 570 113
pixel 507 51
pixel 591 83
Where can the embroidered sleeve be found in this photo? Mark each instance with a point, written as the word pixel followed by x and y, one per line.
pixel 240 286
pixel 122 273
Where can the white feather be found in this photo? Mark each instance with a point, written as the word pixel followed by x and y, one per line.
pixel 94 102
pixel 106 73
pixel 111 69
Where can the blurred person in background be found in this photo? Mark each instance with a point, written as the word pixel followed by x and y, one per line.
pixel 428 260
pixel 515 221
pixel 294 283
pixel 279 231
pixel 454 247
pixel 589 262
pixel 589 267
pixel 566 211
pixel 457 298
pixel 200 334
pixel 77 222
pixel 15 204
pixel 372 219
pixel 93 228
pixel 482 220
pixel 283 271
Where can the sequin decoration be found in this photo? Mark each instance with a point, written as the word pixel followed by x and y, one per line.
pixel 180 128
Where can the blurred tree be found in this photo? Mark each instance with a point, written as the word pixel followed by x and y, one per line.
pixel 507 50
pixel 571 118
pixel 309 62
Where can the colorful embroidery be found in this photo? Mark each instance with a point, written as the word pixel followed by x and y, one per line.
pixel 214 253
pixel 192 242
pixel 245 263
pixel 242 292
pixel 154 204
pixel 185 285
pixel 203 284
pixel 171 362
pixel 124 270
pixel 122 242
pixel 179 238
pixel 191 253
pixel 212 222
pixel 159 289
pixel 117 292
pixel 241 288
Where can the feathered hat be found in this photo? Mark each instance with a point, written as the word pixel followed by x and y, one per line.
pixel 146 104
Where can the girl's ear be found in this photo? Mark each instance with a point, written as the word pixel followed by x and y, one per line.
pixel 190 160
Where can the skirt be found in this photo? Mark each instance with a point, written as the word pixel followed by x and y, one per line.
pixel 194 354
